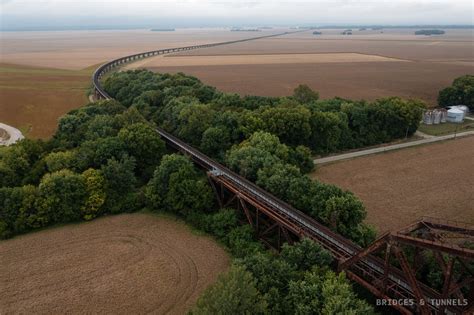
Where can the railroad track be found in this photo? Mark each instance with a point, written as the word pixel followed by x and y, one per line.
pixel 365 271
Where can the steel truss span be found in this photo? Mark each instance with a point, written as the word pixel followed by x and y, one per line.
pixel 396 285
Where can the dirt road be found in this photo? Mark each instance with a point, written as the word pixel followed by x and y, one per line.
pixel 14 135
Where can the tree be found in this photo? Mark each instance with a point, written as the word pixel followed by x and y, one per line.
pixel 290 124
pixel 18 211
pixel 61 196
pixel 193 120
pixel 216 141
pixel 301 156
pixel 304 296
pixel 279 179
pixel 321 291
pixel 261 150
pixel 248 160
pixel 338 297
pixel 177 187
pixel 71 128
pixel 233 293
pixel 304 94
pixel 158 186
pixel 326 131
pixel 270 271
pixel 188 193
pixel 120 184
pixel 144 144
pixel 305 254
pixel 241 241
pixel 14 165
pixel 96 153
pixel 460 93
pixel 96 194
pixel 129 117
pixel 57 161
pixel 101 126
pixel 343 214
pixel 220 223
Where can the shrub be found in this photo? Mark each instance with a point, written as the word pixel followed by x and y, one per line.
pixel 234 293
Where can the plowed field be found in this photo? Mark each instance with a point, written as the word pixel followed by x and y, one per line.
pixel 127 264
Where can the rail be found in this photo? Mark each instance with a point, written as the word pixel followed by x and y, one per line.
pixel 100 93
pixel 300 223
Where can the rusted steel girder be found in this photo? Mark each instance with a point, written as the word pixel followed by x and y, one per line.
pixel 425 236
pixel 267 228
pixel 273 231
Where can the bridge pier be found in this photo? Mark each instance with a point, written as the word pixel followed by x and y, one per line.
pixel 267 229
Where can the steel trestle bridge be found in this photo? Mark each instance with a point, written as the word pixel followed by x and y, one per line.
pixel 383 267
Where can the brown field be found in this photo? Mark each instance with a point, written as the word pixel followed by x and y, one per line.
pixel 43 75
pixel 32 99
pixel 134 263
pixel 36 89
pixel 435 62
pixel 353 80
pixel 272 59
pixel 455 46
pixel 77 50
pixel 399 187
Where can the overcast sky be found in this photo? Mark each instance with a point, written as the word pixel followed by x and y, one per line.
pixel 211 12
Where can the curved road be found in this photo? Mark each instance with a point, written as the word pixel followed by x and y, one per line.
pixel 15 135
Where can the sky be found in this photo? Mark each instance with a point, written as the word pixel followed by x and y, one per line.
pixel 191 13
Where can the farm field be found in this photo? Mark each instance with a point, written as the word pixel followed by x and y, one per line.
pixel 43 75
pixel 425 64
pixel 76 50
pixel 132 263
pixel 33 99
pixel 401 186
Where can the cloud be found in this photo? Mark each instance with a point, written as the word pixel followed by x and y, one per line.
pixel 270 11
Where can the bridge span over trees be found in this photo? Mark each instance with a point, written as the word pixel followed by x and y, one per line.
pixel 383 267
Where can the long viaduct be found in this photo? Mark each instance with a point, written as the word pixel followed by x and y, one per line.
pixel 383 268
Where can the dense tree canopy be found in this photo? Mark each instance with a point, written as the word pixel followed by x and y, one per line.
pixel 177 187
pixel 461 92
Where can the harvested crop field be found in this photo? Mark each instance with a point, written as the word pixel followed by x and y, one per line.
pixel 394 63
pixel 133 263
pixel 353 80
pixel 43 75
pixel 278 59
pixel 33 99
pixel 76 50
pixel 456 45
pixel 399 187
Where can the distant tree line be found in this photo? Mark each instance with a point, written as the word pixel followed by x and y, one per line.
pixel 461 92
pixel 429 32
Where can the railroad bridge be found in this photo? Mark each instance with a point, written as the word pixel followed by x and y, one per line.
pixel 383 268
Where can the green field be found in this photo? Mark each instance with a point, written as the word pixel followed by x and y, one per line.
pixel 447 128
